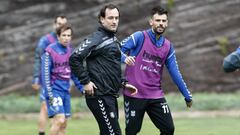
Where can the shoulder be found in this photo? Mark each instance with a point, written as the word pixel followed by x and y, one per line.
pixel 43 41
pixel 95 38
pixel 53 34
pixel 137 35
pixel 43 38
pixel 136 38
pixel 167 41
pixel 51 47
pixel 171 49
pixel 47 36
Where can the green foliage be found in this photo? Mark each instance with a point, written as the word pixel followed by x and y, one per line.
pixel 206 101
pixel 79 104
pixel 30 104
pixel 201 101
pixel 223 43
pixel 170 4
pixel 87 125
pixel 18 104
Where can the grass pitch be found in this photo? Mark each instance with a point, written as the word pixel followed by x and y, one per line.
pixel 88 126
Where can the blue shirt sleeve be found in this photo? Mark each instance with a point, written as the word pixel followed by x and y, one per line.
pixel 172 66
pixel 77 83
pixel 132 45
pixel 232 61
pixel 46 66
pixel 42 44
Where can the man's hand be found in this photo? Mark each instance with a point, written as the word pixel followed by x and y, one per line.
pixel 89 88
pixel 36 86
pixel 130 60
pixel 189 103
pixel 131 88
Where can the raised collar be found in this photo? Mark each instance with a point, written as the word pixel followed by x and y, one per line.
pixel 107 32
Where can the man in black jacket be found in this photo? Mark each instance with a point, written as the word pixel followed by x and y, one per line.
pixel 101 76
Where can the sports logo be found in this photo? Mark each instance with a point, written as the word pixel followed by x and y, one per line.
pixel 112 115
pixel 133 113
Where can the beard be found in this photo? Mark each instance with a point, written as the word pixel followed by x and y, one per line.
pixel 159 30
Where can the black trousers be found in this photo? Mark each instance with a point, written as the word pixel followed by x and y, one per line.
pixel 105 111
pixel 157 110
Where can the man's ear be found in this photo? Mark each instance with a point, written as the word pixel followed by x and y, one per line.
pixel 150 21
pixel 101 19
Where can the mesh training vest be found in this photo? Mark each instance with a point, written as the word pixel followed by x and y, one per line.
pixel 146 74
pixel 61 69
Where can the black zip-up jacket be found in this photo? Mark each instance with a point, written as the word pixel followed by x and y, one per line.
pixel 101 51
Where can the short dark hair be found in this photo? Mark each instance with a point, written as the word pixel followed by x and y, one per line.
pixel 102 12
pixel 64 28
pixel 59 16
pixel 158 10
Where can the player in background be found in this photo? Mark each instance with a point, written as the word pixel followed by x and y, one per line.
pixel 56 75
pixel 36 83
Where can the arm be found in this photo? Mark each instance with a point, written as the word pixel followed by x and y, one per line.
pixel 130 47
pixel 77 83
pixel 78 57
pixel 37 63
pixel 175 74
pixel 76 64
pixel 232 61
pixel 46 65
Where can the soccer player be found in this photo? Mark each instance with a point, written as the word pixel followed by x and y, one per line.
pixel 101 76
pixel 56 76
pixel 232 61
pixel 148 51
pixel 36 83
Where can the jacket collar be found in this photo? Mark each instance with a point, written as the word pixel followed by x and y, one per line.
pixel 106 31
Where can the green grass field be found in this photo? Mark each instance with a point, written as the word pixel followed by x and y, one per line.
pixel 13 104
pixel 87 126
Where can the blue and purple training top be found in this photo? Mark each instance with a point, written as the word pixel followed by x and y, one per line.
pixel 56 73
pixel 151 55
